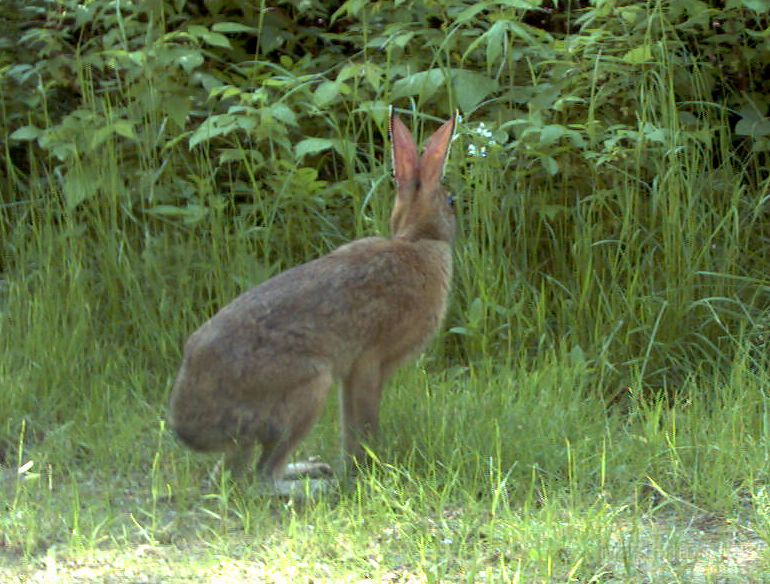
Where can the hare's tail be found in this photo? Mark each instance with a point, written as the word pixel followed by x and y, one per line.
pixel 212 434
pixel 213 426
pixel 193 438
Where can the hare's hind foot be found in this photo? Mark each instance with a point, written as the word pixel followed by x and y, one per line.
pixel 299 488
pixel 290 425
pixel 300 481
pixel 311 469
pixel 295 471
pixel 305 479
pixel 303 488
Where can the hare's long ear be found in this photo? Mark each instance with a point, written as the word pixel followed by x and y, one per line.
pixel 436 150
pixel 406 163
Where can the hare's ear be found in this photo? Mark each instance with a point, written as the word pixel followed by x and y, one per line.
pixel 435 156
pixel 406 163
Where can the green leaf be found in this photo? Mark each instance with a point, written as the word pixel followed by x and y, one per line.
pixel 283 113
pixel 271 37
pixel 232 27
pixel 348 71
pixel 639 55
pixel 655 134
pixel 124 128
pixel 80 184
pixel 216 39
pixel 550 165
pixel 543 97
pixel 176 107
pixel 99 137
pixel 220 125
pixel 26 133
pixel 523 4
pixel 551 134
pixel 212 38
pixel 577 355
pixel 326 92
pixel 423 84
pixel 551 211
pixel 190 214
pixel 345 148
pixel 227 91
pixel 120 127
pixel 470 13
pixel 232 155
pixel 476 312
pixel 630 14
pixel 495 38
pixel 752 123
pixel 378 110
pixel 471 88
pixel 403 39
pixel 459 330
pixel 349 8
pixel 522 31
pixel 757 5
pixel 374 75
pixel 190 60
pixel 197 30
pixel 312 146
pixel 63 150
pixel 210 128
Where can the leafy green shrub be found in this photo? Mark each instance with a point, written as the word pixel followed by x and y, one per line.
pixel 613 163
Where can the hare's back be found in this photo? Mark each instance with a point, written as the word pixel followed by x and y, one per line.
pixel 328 310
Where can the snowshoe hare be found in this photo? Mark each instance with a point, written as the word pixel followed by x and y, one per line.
pixel 260 369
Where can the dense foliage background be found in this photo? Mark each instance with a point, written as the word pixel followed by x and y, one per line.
pixel 613 163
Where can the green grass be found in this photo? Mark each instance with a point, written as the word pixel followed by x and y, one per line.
pixel 485 474
pixel 511 466
pixel 498 464
pixel 497 469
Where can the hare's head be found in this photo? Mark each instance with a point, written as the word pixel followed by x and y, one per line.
pixel 424 209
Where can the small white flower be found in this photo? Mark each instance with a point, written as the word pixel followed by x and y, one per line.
pixel 477 152
pixel 483 131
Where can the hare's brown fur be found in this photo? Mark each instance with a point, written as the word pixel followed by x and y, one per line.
pixel 260 369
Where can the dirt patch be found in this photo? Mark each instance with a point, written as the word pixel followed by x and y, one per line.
pixel 665 547
pixel 696 549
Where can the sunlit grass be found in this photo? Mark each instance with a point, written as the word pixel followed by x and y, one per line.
pixel 482 472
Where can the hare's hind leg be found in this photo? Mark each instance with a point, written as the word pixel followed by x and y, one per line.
pixel 361 394
pixel 238 458
pixel 301 409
